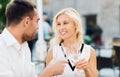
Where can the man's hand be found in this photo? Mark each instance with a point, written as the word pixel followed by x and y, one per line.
pixel 57 66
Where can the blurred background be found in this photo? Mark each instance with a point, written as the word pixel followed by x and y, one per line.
pixel 101 23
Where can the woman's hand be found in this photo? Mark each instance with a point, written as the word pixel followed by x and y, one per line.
pixel 82 64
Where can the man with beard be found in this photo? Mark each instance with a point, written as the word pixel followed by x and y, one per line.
pixel 15 57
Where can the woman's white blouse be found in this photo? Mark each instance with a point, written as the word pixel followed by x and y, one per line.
pixel 58 54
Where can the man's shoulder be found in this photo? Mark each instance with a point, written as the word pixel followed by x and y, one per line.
pixel 2 43
pixel 1 40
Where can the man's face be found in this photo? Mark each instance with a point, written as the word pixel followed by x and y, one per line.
pixel 31 29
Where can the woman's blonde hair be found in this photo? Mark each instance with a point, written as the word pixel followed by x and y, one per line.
pixel 74 15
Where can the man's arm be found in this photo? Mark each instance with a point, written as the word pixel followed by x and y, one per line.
pixel 54 68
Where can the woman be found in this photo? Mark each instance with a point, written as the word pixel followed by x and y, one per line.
pixel 68 44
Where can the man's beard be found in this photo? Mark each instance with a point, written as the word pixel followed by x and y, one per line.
pixel 26 37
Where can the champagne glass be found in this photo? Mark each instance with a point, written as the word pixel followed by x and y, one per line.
pixel 74 58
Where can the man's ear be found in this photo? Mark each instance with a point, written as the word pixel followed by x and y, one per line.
pixel 26 21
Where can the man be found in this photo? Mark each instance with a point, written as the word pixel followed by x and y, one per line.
pixel 15 58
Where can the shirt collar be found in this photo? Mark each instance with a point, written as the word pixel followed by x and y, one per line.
pixel 10 39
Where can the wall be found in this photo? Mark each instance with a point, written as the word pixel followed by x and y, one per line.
pixel 107 12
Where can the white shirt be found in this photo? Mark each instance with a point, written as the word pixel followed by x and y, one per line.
pixel 58 54
pixel 15 59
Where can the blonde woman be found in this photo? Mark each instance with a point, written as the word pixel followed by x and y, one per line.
pixel 68 44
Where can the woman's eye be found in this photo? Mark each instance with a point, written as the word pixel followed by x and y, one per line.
pixel 58 24
pixel 65 23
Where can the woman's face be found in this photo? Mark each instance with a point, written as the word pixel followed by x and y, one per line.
pixel 65 27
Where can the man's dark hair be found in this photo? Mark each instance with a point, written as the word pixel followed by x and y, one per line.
pixel 18 9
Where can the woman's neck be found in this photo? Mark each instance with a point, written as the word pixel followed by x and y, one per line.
pixel 70 41
pixel 71 46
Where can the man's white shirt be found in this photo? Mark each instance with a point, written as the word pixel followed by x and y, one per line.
pixel 15 58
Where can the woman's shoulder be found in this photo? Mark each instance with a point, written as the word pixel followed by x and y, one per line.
pixel 87 45
pixel 91 49
pixel 56 47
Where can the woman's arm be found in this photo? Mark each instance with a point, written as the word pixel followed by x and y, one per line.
pixel 91 71
pixel 49 56
pixel 90 66
pixel 53 66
